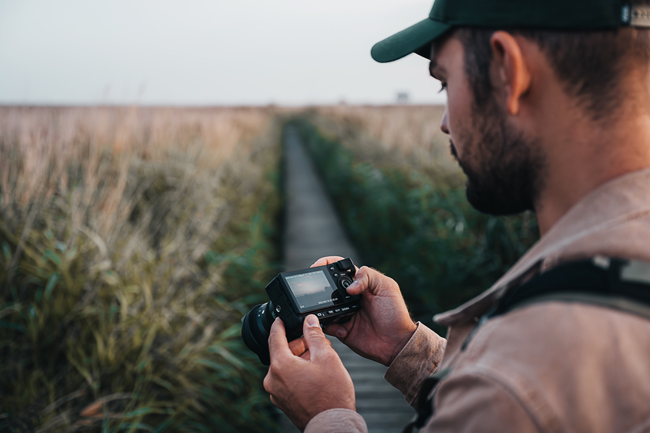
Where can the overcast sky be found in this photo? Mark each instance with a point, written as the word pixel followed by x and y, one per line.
pixel 214 52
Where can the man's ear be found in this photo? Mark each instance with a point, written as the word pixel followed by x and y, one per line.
pixel 513 74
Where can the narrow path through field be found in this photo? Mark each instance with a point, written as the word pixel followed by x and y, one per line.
pixel 313 230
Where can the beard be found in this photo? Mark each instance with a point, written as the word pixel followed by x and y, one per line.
pixel 504 169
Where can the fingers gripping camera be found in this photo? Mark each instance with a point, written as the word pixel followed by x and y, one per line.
pixel 296 294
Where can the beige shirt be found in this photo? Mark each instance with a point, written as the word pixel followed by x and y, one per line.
pixel 549 367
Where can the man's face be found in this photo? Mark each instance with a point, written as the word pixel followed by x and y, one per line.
pixel 503 167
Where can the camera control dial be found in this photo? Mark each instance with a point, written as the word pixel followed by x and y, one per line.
pixel 345 282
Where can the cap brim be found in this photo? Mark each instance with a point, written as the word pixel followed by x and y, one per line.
pixel 415 39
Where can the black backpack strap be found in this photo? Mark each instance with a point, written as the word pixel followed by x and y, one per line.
pixel 608 282
pixel 614 283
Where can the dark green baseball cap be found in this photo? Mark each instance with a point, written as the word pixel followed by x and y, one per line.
pixel 534 14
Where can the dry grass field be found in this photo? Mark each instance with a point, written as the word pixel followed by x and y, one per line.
pixel 131 240
pixel 49 140
pixel 405 136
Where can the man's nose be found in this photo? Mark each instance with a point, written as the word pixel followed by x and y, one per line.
pixel 444 122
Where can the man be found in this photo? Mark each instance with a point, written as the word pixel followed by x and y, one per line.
pixel 548 109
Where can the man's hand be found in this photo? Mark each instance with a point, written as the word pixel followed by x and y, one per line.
pixel 306 385
pixel 383 326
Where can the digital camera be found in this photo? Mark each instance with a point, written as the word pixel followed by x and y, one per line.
pixel 296 294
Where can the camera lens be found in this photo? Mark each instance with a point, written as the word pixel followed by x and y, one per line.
pixel 256 326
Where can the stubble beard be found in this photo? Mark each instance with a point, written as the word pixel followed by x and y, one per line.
pixel 504 169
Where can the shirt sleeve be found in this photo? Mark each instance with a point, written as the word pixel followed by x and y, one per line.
pixel 418 360
pixel 337 421
pixel 475 402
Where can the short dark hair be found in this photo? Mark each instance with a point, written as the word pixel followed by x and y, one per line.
pixel 589 63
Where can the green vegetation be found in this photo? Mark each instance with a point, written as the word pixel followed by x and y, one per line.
pixel 414 226
pixel 125 272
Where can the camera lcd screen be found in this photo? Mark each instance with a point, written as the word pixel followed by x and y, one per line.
pixel 312 290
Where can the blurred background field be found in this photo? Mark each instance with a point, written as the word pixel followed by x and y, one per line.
pixel 408 136
pixel 135 238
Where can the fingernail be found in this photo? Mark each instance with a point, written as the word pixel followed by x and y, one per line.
pixel 341 333
pixel 312 321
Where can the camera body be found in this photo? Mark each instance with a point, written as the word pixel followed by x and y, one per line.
pixel 294 295
pixel 320 291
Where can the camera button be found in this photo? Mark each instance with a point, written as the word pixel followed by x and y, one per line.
pixel 330 312
pixel 338 310
pixel 320 314
pixel 332 268
pixel 345 308
pixel 336 275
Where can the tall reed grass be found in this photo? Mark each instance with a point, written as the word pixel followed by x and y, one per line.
pixel 408 136
pixel 132 241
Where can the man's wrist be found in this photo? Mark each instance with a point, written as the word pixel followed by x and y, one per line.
pixel 403 342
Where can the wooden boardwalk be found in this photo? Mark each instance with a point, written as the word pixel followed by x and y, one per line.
pixel 313 230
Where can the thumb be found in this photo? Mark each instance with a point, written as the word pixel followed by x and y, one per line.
pixel 372 281
pixel 362 281
pixel 315 339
